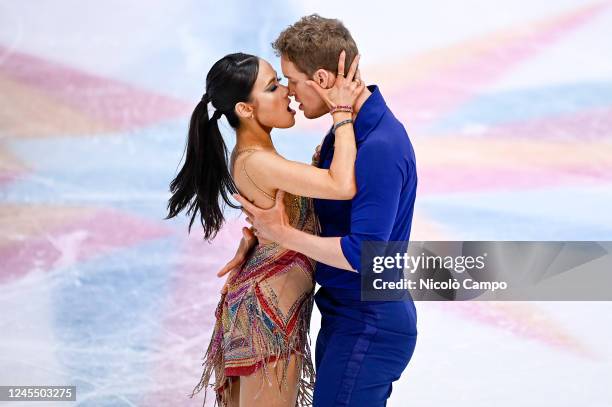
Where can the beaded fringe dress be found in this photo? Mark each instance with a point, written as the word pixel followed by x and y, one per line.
pixel 265 315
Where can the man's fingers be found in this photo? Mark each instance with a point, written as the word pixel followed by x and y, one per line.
pixel 358 75
pixel 317 152
pixel 280 196
pixel 245 204
pixel 353 68
pixel 341 60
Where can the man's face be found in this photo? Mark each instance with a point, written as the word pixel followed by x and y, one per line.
pixel 310 102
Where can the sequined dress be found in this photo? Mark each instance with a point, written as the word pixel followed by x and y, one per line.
pixel 265 313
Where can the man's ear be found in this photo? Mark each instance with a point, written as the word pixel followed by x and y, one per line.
pixel 244 110
pixel 323 78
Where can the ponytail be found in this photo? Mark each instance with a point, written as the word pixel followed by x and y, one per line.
pixel 205 173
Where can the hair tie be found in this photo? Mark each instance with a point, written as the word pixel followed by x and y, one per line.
pixel 216 115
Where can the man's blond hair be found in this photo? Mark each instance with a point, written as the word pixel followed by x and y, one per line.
pixel 315 42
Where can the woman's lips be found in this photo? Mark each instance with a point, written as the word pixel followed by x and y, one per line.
pixel 290 110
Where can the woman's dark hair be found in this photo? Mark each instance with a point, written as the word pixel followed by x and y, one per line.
pixel 205 176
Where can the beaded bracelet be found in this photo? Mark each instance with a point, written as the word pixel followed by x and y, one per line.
pixel 341 108
pixel 342 123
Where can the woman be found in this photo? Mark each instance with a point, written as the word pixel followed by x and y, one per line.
pixel 259 349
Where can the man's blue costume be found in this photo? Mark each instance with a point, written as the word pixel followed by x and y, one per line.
pixel 364 346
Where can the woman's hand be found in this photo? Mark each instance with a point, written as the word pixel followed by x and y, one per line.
pixel 346 89
pixel 246 244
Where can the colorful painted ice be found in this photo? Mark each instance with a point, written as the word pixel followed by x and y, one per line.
pixel 509 107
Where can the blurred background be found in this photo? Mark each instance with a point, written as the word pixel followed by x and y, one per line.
pixel 508 105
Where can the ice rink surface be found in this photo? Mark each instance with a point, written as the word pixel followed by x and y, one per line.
pixel 508 105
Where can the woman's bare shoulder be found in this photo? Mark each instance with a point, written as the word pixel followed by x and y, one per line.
pixel 251 173
pixel 262 164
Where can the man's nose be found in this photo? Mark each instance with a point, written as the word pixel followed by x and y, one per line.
pixel 291 90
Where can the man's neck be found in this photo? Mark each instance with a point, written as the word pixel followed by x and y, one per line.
pixel 365 94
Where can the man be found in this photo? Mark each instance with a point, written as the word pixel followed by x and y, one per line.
pixel 362 346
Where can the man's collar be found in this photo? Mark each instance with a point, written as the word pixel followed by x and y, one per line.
pixel 370 114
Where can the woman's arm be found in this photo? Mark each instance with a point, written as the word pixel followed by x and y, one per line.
pixel 338 182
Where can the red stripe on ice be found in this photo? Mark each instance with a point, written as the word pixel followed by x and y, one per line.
pixel 111 101
pixel 102 233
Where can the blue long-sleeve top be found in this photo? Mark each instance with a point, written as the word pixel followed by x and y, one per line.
pixel 385 171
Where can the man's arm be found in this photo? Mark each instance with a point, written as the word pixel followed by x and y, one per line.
pixel 374 208
pixel 322 249
pixel 273 224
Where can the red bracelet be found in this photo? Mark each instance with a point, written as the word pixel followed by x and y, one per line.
pixel 341 108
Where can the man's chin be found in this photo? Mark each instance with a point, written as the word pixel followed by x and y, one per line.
pixel 314 115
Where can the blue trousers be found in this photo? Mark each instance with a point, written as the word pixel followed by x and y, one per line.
pixel 361 349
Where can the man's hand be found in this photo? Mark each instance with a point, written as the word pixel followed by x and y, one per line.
pixel 317 154
pixel 246 243
pixel 269 224
pixel 273 224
